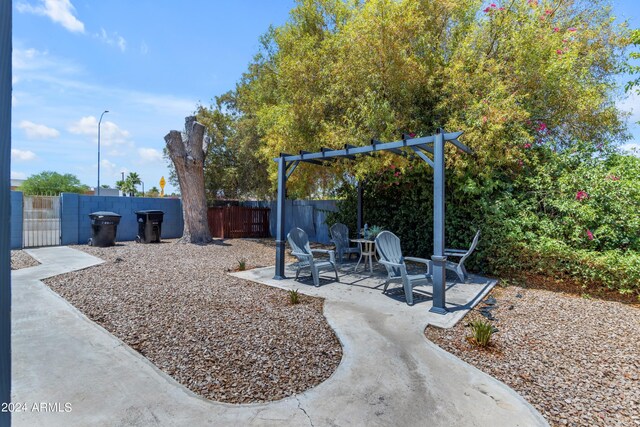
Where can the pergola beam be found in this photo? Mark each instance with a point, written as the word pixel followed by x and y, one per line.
pixel 423 157
pixel 375 146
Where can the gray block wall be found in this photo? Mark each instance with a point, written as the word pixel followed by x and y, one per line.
pixel 76 224
pixel 16 220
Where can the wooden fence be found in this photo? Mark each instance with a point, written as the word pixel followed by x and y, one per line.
pixel 233 222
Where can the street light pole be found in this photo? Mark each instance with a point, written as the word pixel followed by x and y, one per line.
pixel 142 182
pixel 99 122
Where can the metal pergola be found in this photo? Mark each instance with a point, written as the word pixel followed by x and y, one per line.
pixel 417 147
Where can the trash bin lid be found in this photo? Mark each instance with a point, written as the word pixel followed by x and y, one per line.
pixel 100 214
pixel 150 212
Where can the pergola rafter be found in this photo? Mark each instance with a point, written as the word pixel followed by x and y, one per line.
pixel 419 147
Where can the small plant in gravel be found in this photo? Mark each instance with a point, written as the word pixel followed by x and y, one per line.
pixel 294 296
pixel 481 332
pixel 242 264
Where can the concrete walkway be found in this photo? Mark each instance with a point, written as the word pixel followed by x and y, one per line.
pixel 390 374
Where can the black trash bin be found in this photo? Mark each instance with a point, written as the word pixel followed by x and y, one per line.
pixel 103 228
pixel 149 226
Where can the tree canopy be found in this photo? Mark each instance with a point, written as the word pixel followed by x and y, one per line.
pixel 343 72
pixel 52 183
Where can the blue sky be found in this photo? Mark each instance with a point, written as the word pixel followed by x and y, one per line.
pixel 149 62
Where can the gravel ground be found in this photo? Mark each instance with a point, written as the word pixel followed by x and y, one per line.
pixel 224 338
pixel 20 259
pixel 576 360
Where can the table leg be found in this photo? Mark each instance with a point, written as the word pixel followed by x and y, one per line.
pixel 359 259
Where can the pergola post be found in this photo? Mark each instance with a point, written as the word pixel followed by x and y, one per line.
pixel 359 220
pixel 438 258
pixel 5 211
pixel 280 219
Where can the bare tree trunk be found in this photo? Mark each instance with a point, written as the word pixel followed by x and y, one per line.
pixel 188 158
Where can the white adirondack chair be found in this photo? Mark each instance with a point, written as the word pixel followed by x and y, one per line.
pixel 390 255
pixel 299 242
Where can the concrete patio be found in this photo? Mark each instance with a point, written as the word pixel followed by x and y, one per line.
pixel 389 374
pixel 365 288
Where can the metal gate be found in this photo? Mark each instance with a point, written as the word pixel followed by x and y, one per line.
pixel 41 221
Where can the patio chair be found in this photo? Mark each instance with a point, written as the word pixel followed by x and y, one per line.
pixel 299 242
pixel 390 255
pixel 458 267
pixel 340 237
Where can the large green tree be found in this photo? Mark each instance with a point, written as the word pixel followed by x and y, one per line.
pixel 52 183
pixel 233 168
pixel 512 74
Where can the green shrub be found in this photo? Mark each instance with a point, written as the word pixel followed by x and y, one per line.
pixel 242 264
pixel 481 332
pixel 614 269
pixel 294 297
pixel 570 214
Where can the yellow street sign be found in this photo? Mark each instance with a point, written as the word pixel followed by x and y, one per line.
pixel 162 183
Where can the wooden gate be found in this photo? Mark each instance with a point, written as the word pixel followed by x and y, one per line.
pixel 41 221
pixel 233 222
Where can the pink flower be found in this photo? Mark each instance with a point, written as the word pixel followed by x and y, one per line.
pixel 542 127
pixel 412 135
pixel 533 3
pixel 493 5
pixel 565 41
pixel 484 119
pixel 397 173
pixel 556 29
pixel 527 145
pixel 559 51
pixel 520 162
pixel 581 195
pixel 548 11
pixel 589 234
pixel 392 167
pixel 487 10
pixel 502 8
pixel 571 30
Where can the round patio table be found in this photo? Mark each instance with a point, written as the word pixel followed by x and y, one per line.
pixel 367 251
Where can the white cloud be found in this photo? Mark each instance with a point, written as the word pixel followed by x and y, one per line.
pixel 36 131
pixel 110 133
pixel 112 39
pixel 14 101
pixel 144 49
pixel 150 155
pixel 30 60
pixel 22 155
pixel 18 175
pixel 59 11
pixel 117 153
pixel 108 167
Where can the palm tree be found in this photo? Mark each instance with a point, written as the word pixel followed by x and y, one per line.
pixel 132 180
